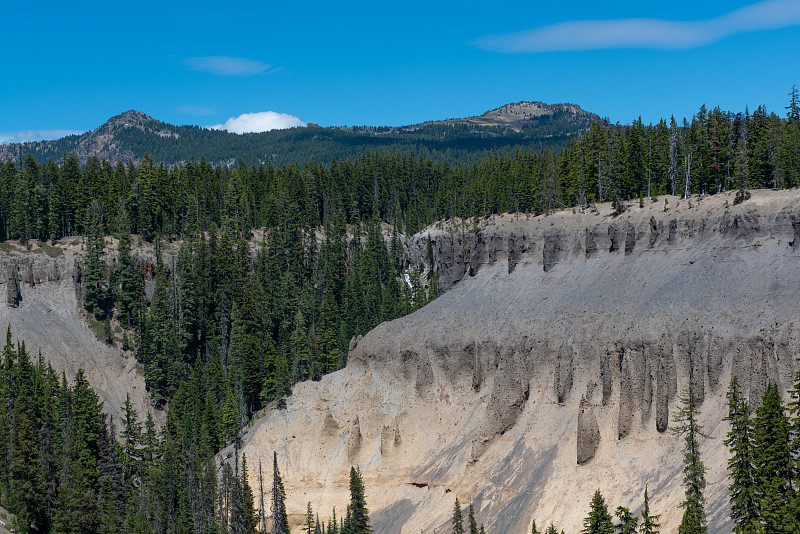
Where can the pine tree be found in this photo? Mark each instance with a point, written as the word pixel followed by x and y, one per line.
pixel 534 530
pixel 246 350
pixel 95 295
pixel 310 525
pixel 694 472
pixel 794 410
pixel 280 521
pixel 458 520
pixel 473 525
pixel 628 522
pixel 130 290
pixel 744 510
pixel 230 415
pixel 249 514
pixel 24 494
pixel 649 522
pixel 598 521
pixel 131 433
pixel 774 463
pixel 159 350
pixel 358 504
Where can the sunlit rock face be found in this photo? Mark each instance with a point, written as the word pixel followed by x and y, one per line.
pixel 551 367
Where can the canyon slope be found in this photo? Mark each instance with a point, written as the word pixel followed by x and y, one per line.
pixel 551 367
pixel 41 290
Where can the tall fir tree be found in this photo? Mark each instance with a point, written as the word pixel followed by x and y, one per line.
pixel 95 289
pixel 458 519
pixel 694 472
pixel 280 520
pixel 774 464
pixel 628 522
pixel 649 524
pixel 358 504
pixel 744 509
pixel 472 524
pixel 599 520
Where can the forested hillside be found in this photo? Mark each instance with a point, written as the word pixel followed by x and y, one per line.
pixel 715 151
pixel 234 322
pixel 131 135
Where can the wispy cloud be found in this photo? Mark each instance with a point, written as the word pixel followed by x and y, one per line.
pixel 646 33
pixel 199 111
pixel 262 121
pixel 25 136
pixel 227 66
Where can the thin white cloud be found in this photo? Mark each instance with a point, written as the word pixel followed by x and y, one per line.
pixel 196 110
pixel 227 66
pixel 25 136
pixel 646 33
pixel 262 121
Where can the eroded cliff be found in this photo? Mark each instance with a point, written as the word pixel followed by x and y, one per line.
pixel 551 367
pixel 42 289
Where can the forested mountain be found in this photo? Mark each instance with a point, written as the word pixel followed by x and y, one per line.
pixel 131 135
pixel 235 322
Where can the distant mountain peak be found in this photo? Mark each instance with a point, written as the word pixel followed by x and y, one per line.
pixel 523 115
pixel 535 108
pixel 131 117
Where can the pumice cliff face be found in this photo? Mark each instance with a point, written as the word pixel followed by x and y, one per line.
pixel 551 366
pixel 43 286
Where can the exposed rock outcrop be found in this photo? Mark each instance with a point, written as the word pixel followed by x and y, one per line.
pixel 13 294
pixel 578 352
pixel 43 287
pixel 588 432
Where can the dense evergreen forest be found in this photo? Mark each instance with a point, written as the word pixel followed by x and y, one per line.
pixel 234 322
pixel 715 151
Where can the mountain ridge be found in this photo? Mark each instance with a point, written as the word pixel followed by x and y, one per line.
pixel 519 115
pixel 130 135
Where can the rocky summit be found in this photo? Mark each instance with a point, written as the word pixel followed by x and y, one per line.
pixel 552 366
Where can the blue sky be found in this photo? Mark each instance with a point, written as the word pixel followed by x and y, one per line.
pixel 70 66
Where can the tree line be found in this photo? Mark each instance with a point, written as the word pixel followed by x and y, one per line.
pixel 714 151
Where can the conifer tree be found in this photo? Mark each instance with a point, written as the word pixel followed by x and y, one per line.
pixel 24 492
pixel 230 415
pixel 458 520
pixel 358 504
pixel 598 521
pixel 280 521
pixel 628 522
pixel 131 436
pixel 744 510
pixel 131 283
pixel 95 295
pixel 794 410
pixel 534 530
pixel 774 464
pixel 159 350
pixel 249 515
pixel 473 525
pixel 649 522
pixel 694 472
pixel 310 525
pixel 246 350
